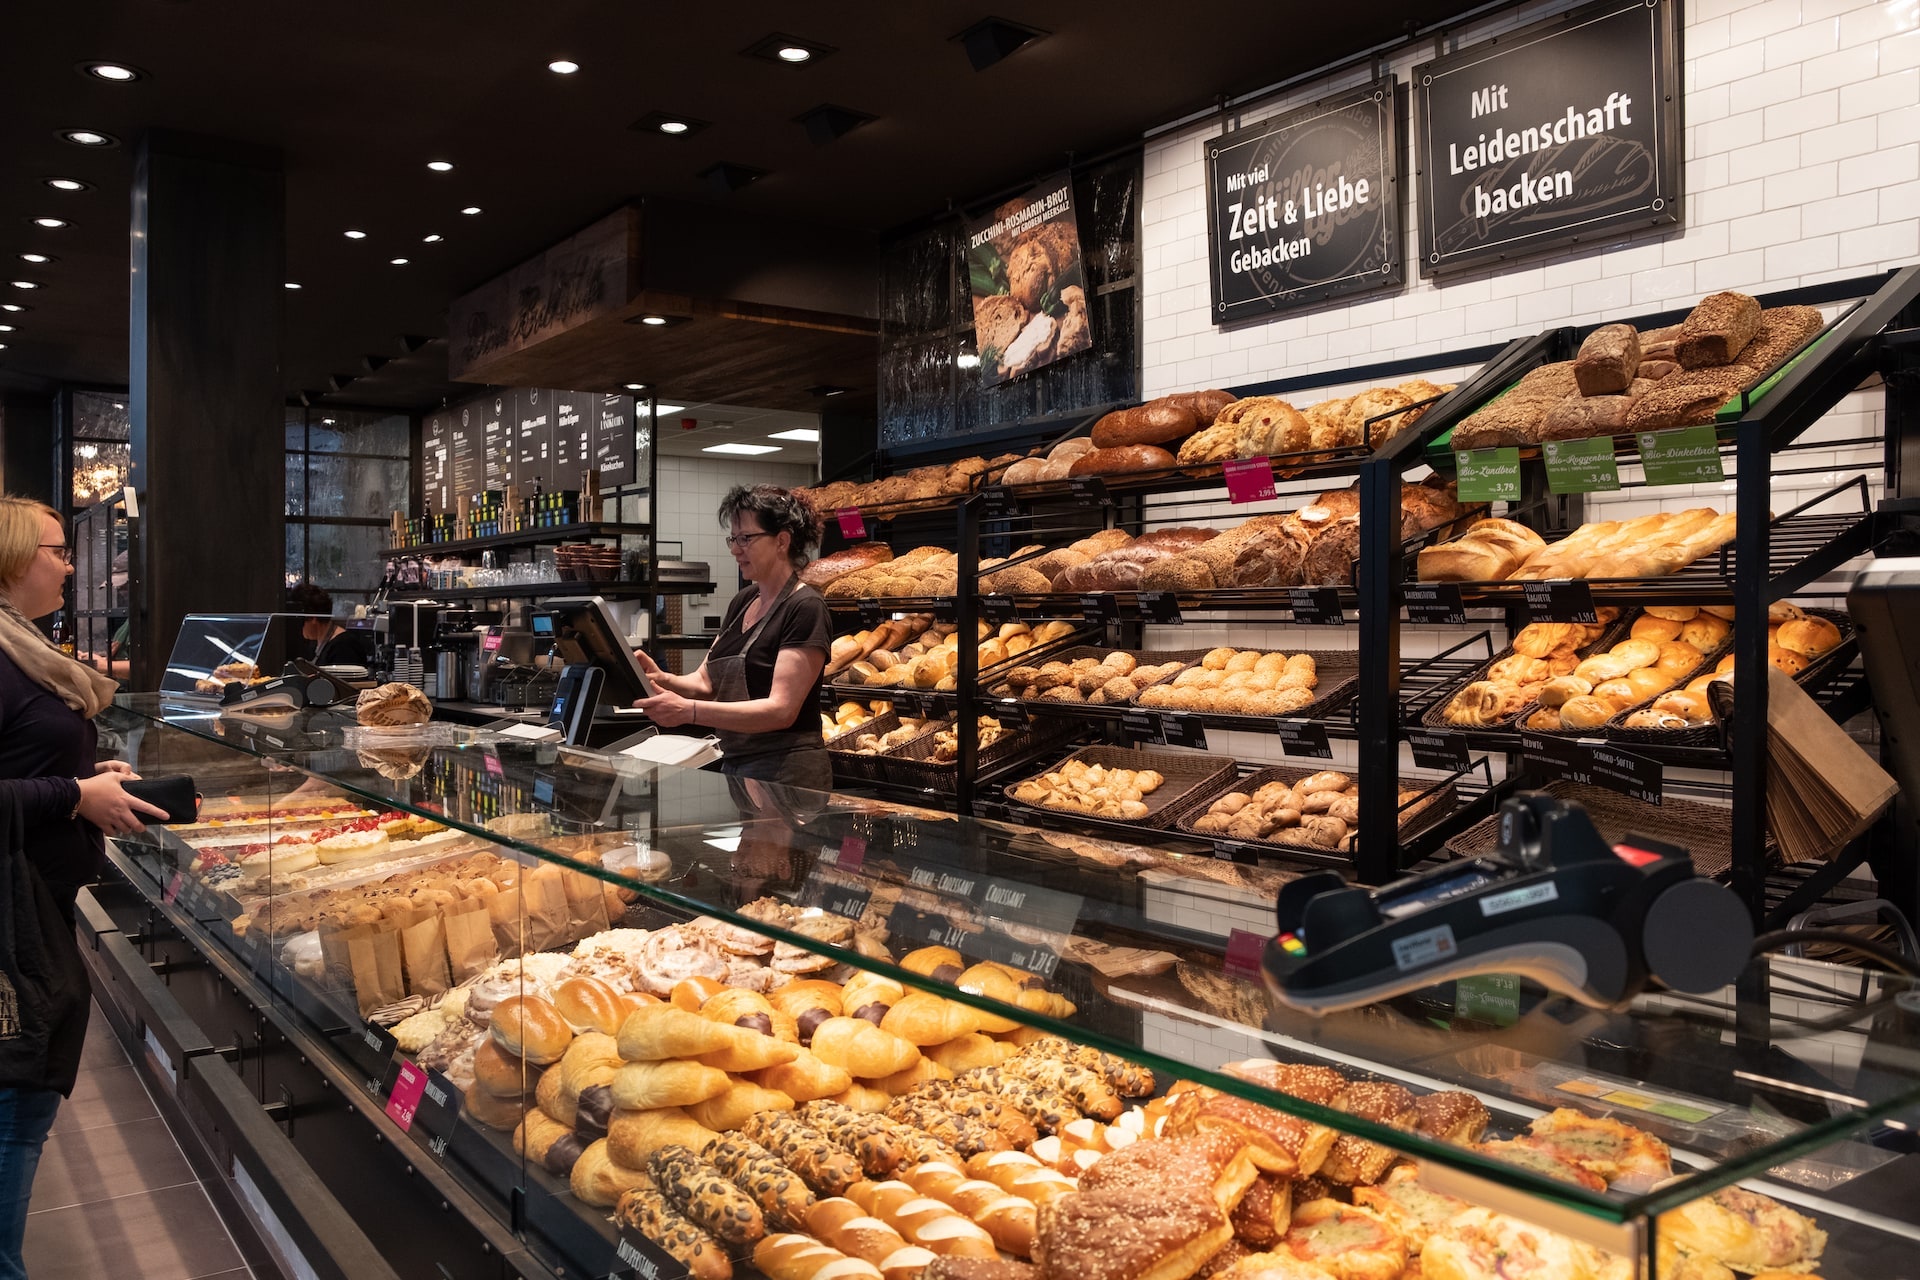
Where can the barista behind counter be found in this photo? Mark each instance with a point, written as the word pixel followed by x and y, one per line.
pixel 758 690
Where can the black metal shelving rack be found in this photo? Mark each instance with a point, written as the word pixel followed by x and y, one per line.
pixel 1797 548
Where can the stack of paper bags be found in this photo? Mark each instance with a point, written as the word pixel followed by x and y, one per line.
pixel 1822 789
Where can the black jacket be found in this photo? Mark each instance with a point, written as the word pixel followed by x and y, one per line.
pixel 44 999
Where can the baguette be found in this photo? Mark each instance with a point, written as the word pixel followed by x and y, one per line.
pixel 1156 422
pixel 1121 460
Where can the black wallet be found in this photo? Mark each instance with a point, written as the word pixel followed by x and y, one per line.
pixel 175 794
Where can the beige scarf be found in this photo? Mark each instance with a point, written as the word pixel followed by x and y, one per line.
pixel 75 683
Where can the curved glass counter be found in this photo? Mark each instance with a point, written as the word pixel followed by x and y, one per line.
pixel 1134 951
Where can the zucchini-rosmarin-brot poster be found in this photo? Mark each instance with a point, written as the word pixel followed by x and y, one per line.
pixel 1029 289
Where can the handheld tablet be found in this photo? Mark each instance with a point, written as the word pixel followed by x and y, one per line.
pixel 584 631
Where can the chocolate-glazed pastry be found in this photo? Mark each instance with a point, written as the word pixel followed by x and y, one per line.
pixel 593 1112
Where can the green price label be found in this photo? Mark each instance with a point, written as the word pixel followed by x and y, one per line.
pixel 1492 998
pixel 1489 475
pixel 1690 455
pixel 1581 466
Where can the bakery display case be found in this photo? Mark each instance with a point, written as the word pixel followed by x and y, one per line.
pixel 614 1018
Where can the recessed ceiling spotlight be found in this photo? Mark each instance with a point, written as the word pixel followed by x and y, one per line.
pixel 37 259
pixel 14 307
pixel 3 346
pixel 653 320
pixel 672 123
pixel 117 72
pixel 807 434
pixel 356 235
pixel 89 138
pixel 293 284
pixel 25 284
pixel 471 209
pixel 399 262
pixel 674 126
pixel 791 51
pixel 51 224
pixel 440 166
pixel 636 386
pixel 69 184
pixel 562 67
pixel 432 239
pixel 6 328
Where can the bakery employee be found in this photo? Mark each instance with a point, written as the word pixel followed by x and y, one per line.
pixel 758 691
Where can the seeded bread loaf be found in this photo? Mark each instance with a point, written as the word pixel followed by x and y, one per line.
pixel 1608 360
pixel 1717 330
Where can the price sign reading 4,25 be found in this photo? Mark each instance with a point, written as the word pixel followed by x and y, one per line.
pixel 1690 455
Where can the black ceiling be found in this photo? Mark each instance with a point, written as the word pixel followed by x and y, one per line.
pixel 360 95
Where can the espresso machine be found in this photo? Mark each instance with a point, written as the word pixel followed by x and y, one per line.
pixel 455 654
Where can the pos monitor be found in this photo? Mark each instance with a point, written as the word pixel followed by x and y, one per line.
pixel 584 630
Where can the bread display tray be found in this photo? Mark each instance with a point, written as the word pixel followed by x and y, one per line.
pixel 1614 728
pixel 1705 830
pixel 1141 657
pixel 1816 675
pixel 911 764
pixel 1185 772
pixel 1338 672
pixel 1435 715
pixel 846 762
pixel 1421 811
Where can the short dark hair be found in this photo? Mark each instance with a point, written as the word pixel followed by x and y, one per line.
pixel 778 511
pixel 308 597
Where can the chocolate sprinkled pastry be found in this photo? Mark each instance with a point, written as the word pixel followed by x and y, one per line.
pixel 700 1191
pixel 782 1195
pixel 647 1212
pixel 821 1163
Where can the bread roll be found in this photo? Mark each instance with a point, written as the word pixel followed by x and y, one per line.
pixel 589 1004
pixel 531 1028
pixel 502 1074
pixel 1808 636
pixel 1586 713
pixel 1707 632
pixel 1658 630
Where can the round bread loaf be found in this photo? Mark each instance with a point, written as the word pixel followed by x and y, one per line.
pixel 589 1004
pixel 531 1028
pixel 1810 636
pixel 501 1074
pixel 1585 713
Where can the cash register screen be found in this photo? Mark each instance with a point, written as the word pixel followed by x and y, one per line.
pixel 584 630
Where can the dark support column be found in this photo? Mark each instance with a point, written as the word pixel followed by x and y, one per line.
pixel 26 448
pixel 208 264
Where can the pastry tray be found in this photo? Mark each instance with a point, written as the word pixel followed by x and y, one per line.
pixel 1435 715
pixel 1705 830
pixel 1185 772
pixel 1142 657
pixel 911 764
pixel 1816 674
pixel 1338 671
pixel 1613 728
pixel 1421 810
pixel 848 763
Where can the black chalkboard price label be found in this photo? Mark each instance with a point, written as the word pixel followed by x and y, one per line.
pixel 1100 608
pixel 1304 738
pixel 846 900
pixel 1627 772
pixel 997 609
pixel 437 1115
pixel 1089 491
pixel 1560 600
pixel 1566 131
pixel 1317 606
pixel 1140 726
pixel 1434 602
pixel 1440 751
pixel 1233 851
pixel 1012 711
pixel 1556 758
pixel 1181 731
pixel 873 613
pixel 997 502
pixel 1162 607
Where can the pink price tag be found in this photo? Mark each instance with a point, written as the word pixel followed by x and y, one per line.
pixel 493 767
pixel 405 1098
pixel 1249 479
pixel 852 525
pixel 853 852
pixel 491 643
pixel 1244 951
pixel 173 887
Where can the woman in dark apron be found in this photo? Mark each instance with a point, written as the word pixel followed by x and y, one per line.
pixel 758 691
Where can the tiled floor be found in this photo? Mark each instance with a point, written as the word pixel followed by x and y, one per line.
pixel 115 1195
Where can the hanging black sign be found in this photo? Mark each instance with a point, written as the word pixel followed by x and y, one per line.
pixel 435 477
pixel 1565 132
pixel 1306 206
pixel 473 424
pixel 533 439
pixel 613 453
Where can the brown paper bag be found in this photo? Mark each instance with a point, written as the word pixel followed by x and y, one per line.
pixel 373 957
pixel 586 905
pixel 543 893
pixel 471 945
pixel 1822 789
pixel 423 945
pixel 509 924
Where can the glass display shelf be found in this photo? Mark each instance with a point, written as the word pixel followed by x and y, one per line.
pixel 1134 951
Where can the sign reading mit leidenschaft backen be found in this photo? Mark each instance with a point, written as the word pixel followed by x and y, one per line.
pixel 1565 132
pixel 1306 206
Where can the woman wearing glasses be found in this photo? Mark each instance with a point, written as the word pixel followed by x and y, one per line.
pixel 758 691
pixel 64 801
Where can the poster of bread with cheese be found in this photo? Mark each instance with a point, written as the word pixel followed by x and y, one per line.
pixel 1028 284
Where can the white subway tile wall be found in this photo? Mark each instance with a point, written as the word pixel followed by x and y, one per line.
pixel 690 493
pixel 1802 154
